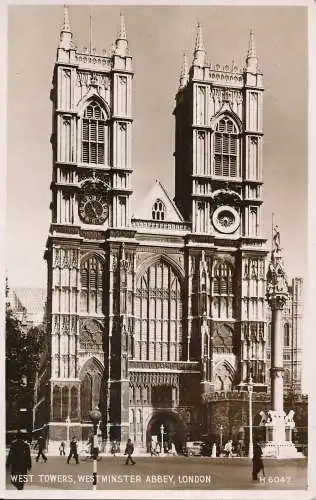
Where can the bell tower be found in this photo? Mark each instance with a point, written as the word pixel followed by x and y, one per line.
pixel 91 190
pixel 218 189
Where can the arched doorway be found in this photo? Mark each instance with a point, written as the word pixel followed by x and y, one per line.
pixel 174 431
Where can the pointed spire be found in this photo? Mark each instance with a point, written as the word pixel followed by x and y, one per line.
pixel 252 60
pixel 122 33
pixel 251 46
pixel 121 39
pixel 66 26
pixel 199 50
pixel 65 34
pixel 184 75
pixel 199 45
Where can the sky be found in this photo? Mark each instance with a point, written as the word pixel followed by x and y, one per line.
pixel 158 36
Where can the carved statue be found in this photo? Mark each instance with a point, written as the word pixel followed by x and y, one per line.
pixel 274 417
pixel 276 239
pixel 263 418
pixel 289 419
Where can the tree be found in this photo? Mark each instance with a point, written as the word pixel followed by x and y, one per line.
pixel 23 350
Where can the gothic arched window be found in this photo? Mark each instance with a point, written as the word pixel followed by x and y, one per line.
pixel 158 210
pixel 91 277
pixel 86 396
pixel 286 335
pixel 226 143
pixel 158 315
pixel 57 403
pixel 94 135
pixel 269 334
pixel 223 294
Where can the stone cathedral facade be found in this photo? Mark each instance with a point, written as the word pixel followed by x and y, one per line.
pixel 150 311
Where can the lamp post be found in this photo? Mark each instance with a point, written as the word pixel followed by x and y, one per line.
pixel 95 416
pixel 250 389
pixel 162 430
pixel 220 438
pixel 67 430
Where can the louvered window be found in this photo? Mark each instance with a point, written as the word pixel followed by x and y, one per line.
pixel 222 290
pixel 226 149
pixel 93 135
pixel 91 277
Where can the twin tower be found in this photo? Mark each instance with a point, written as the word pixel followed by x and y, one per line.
pixel 149 311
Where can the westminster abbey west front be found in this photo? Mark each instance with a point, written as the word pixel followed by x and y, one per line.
pixel 148 312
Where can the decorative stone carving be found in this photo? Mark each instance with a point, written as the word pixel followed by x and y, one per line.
pixel 101 176
pixel 289 419
pixel 154 379
pixel 277 285
pixel 223 335
pixel 263 418
pixel 90 337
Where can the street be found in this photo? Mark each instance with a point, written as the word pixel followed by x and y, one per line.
pixel 173 473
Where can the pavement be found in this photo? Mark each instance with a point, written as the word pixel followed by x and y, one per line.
pixel 162 473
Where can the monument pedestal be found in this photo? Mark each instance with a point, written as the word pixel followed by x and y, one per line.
pixel 278 449
pixel 278 442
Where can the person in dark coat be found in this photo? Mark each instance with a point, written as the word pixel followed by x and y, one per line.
pixel 62 448
pixel 41 444
pixel 19 461
pixel 73 451
pixel 129 450
pixel 257 462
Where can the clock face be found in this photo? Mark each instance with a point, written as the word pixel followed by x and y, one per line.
pixel 93 208
pixel 226 219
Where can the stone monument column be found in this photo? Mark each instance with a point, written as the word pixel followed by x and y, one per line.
pixel 278 443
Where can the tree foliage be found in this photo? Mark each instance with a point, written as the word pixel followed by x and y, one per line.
pixel 23 351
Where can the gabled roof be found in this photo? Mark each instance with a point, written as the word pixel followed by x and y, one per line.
pixel 158 192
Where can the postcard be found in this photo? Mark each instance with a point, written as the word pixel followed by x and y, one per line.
pixel 158 282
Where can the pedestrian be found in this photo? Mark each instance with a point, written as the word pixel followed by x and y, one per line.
pixel 114 448
pixel 62 449
pixel 90 445
pixel 229 448
pixel 257 462
pixel 19 461
pixel 73 452
pixel 41 445
pixel 153 452
pixel 129 450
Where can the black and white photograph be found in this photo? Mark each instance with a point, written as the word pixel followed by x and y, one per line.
pixel 157 250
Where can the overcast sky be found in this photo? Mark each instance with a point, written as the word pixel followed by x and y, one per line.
pixel 157 37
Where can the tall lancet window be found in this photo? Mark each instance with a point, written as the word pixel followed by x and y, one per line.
pixel 94 135
pixel 226 144
pixel 223 293
pixel 91 278
pixel 158 315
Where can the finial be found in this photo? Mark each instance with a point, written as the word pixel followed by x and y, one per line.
pixel 251 47
pixel 184 75
pixel 65 34
pixel 66 26
pixel 122 33
pixel 252 60
pixel 199 38
pixel 121 39
pixel 90 34
pixel 199 50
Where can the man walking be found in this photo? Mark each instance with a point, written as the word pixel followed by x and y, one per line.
pixel 41 444
pixel 62 449
pixel 129 450
pixel 257 462
pixel 73 451
pixel 19 461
